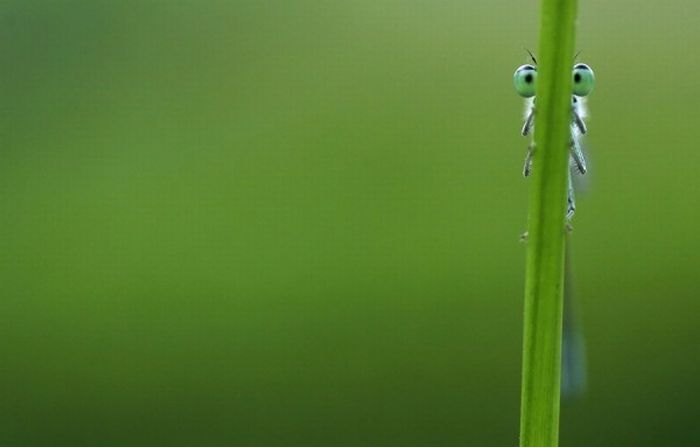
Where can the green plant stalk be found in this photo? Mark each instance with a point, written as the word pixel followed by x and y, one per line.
pixel 541 375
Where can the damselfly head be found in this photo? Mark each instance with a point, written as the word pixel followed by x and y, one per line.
pixel 525 80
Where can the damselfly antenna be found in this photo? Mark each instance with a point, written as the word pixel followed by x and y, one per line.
pixel 531 56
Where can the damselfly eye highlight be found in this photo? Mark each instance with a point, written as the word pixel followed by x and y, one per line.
pixel 584 79
pixel 524 80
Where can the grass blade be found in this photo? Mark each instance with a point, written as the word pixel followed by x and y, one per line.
pixel 539 415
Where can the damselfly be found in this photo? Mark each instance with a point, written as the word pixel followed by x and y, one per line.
pixel 525 81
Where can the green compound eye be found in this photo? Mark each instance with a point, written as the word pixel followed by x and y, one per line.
pixel 524 80
pixel 584 79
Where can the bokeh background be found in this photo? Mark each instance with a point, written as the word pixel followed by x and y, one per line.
pixel 296 223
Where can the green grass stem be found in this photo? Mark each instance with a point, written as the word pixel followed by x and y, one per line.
pixel 541 375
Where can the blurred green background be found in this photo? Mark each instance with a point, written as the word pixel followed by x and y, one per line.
pixel 295 223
